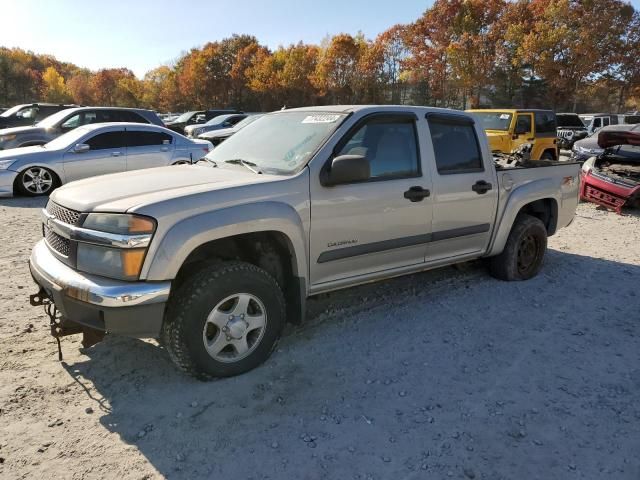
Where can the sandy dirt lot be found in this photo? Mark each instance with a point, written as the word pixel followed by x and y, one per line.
pixel 444 374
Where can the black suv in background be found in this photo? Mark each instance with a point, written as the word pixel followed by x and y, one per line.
pixel 570 129
pixel 195 117
pixel 66 120
pixel 29 114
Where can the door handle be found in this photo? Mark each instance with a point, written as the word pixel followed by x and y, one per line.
pixel 481 187
pixel 416 194
pixel 116 154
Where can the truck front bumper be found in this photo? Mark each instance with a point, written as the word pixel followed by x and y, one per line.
pixel 134 309
pixel 7 177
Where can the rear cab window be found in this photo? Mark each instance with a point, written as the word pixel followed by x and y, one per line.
pixel 455 144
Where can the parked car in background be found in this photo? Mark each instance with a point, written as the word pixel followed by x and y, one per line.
pixel 216 137
pixel 195 117
pixel 588 147
pixel 595 121
pixel 29 114
pixel 215 258
pixel 91 150
pixel 507 129
pixel 570 129
pixel 216 123
pixel 612 178
pixel 3 109
pixel 66 120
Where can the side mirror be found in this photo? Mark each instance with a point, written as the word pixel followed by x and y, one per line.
pixel 81 148
pixel 348 169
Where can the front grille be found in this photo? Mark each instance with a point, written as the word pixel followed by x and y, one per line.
pixel 63 214
pixel 56 242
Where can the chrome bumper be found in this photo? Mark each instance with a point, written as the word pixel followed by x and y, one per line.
pixel 127 308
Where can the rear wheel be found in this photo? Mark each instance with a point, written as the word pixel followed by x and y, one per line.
pixel 547 156
pixel 524 251
pixel 37 181
pixel 224 320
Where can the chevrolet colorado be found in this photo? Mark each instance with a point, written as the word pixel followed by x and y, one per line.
pixel 214 258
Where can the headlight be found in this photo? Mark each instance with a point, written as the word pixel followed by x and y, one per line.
pixel 118 223
pixel 4 164
pixel 7 138
pixel 110 261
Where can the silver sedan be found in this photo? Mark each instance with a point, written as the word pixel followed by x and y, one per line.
pixel 92 150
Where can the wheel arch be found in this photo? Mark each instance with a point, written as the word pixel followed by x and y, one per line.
pixel 536 198
pixel 58 175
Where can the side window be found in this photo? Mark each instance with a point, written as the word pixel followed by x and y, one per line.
pixel 605 121
pixel 27 113
pixel 390 145
pixel 71 123
pixel 545 122
pixel 127 116
pixel 138 138
pixel 234 120
pixel 108 140
pixel 596 123
pixel 523 124
pixel 455 145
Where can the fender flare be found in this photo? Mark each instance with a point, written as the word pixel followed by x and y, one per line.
pixel 168 255
pixel 541 189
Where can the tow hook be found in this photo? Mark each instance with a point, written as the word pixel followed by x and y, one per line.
pixel 38 299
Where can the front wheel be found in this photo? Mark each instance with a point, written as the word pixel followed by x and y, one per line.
pixel 224 320
pixel 524 251
pixel 37 181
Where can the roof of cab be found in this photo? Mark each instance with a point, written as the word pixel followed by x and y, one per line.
pixel 509 110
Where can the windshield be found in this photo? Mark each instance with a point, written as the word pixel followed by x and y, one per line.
pixel 246 121
pixel 68 139
pixel 280 142
pixel 52 120
pixel 569 121
pixel 220 119
pixel 12 111
pixel 184 117
pixel 495 120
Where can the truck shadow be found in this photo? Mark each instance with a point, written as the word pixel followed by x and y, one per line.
pixel 392 370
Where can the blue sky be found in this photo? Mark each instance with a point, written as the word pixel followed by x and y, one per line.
pixel 142 34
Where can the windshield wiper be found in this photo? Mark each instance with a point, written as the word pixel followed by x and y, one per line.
pixel 245 163
pixel 205 159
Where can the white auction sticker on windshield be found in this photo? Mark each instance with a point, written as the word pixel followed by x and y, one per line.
pixel 504 116
pixel 320 118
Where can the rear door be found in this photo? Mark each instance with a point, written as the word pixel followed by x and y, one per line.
pixel 148 148
pixel 106 154
pixel 371 226
pixel 464 191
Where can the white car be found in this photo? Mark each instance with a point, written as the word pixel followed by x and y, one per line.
pixel 91 150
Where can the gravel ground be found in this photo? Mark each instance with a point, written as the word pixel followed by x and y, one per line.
pixel 444 374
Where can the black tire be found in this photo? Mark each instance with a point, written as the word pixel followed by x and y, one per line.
pixel 27 174
pixel 185 322
pixel 524 251
pixel 547 155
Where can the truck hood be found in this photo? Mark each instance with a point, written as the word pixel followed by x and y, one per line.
pixel 120 192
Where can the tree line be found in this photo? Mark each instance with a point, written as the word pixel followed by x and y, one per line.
pixel 573 55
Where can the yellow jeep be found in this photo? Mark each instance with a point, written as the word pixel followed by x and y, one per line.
pixel 509 128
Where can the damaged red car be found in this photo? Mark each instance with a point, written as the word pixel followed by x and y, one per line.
pixel 612 179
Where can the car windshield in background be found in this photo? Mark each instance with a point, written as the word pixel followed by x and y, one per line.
pixel 11 111
pixel 52 120
pixel 280 142
pixel 219 120
pixel 494 120
pixel 569 121
pixel 68 139
pixel 185 117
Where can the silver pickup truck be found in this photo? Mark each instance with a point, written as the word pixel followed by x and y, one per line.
pixel 214 258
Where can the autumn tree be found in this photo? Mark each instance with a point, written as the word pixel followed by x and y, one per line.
pixel 336 71
pixel 54 88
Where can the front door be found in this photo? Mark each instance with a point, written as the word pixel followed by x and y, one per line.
pixel 464 190
pixel 523 131
pixel 106 154
pixel 366 227
pixel 147 149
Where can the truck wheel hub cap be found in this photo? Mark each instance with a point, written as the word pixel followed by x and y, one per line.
pixel 235 327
